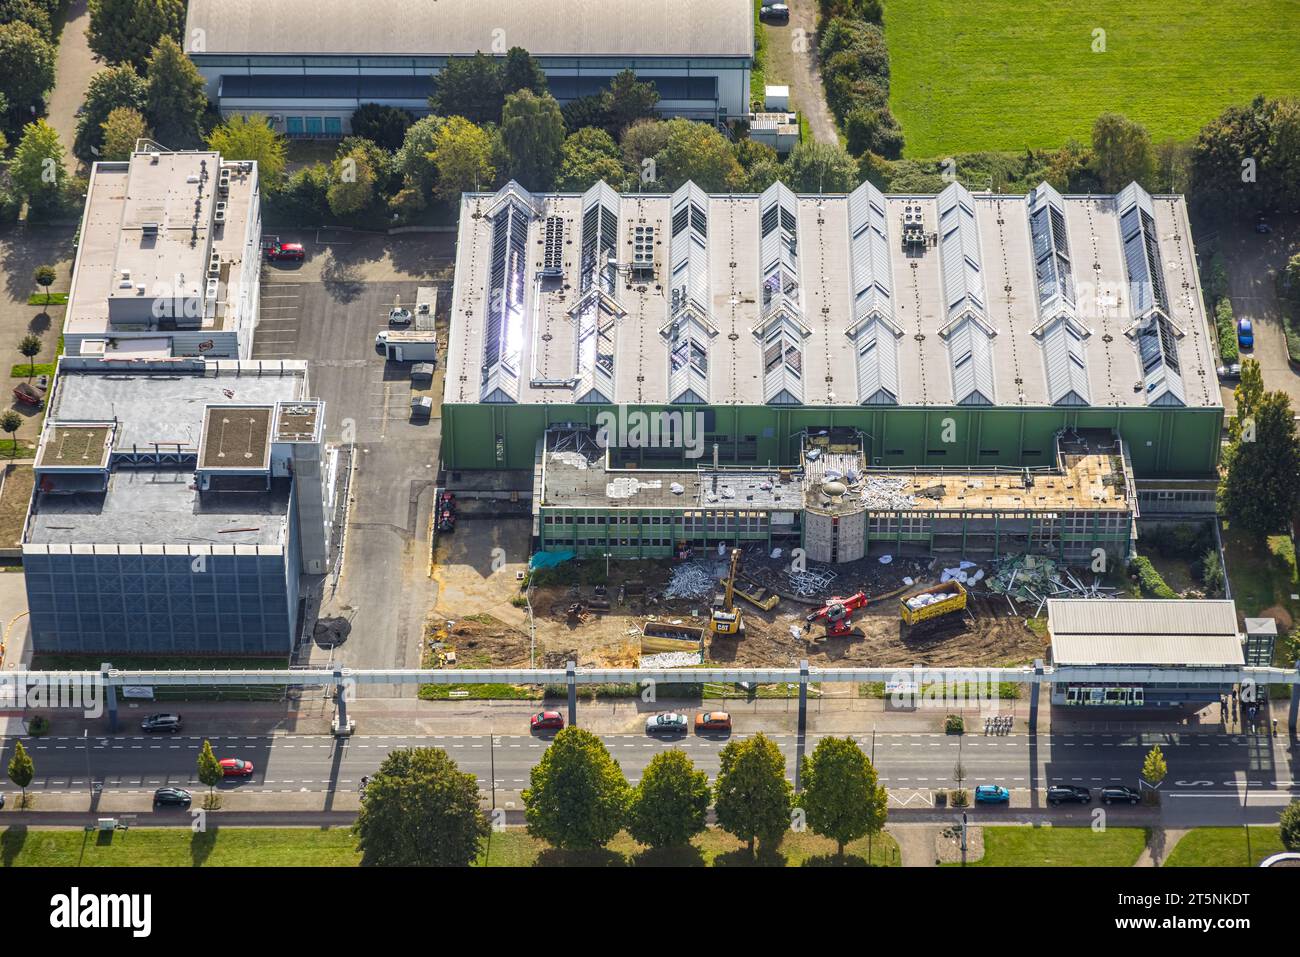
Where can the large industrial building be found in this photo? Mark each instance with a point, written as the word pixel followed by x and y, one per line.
pixel 167 258
pixel 177 505
pixel 1045 359
pixel 308 64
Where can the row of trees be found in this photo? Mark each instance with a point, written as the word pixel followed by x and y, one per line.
pixel 420 809
pixel 1260 490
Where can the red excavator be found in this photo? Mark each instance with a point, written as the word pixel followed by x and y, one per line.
pixel 837 613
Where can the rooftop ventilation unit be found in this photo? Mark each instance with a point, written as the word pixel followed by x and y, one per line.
pixel 220 215
pixel 214 266
pixel 913 226
pixel 553 251
pixel 213 288
pixel 643 252
pixel 223 182
pixel 149 229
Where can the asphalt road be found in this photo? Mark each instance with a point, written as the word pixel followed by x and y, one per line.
pixel 1205 765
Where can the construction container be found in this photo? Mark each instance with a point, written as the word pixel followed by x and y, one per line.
pixel 932 602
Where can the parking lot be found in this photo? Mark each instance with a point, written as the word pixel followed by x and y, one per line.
pixel 327 310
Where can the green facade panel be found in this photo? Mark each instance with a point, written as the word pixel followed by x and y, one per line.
pixel 1162 442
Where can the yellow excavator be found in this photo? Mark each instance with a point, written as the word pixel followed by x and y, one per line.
pixel 726 619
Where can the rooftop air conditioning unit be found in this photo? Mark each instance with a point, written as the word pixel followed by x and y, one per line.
pixel 220 215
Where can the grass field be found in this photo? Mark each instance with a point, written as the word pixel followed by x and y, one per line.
pixel 1225 847
pixel 1002 75
pixel 1060 847
pixel 334 847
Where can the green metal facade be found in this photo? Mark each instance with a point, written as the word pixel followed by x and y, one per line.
pixel 1162 442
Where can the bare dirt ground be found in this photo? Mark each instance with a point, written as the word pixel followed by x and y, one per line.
pixel 988 634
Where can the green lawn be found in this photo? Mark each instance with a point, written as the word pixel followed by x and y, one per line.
pixel 1004 75
pixel 334 847
pixel 55 299
pixel 1060 847
pixel 22 370
pixel 1225 847
pixel 178 847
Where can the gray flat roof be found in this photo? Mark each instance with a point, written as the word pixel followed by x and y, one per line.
pixel 166 406
pixel 589 28
pixel 925 345
pixel 1160 632
pixel 161 507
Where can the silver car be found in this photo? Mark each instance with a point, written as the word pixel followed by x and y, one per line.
pixel 669 723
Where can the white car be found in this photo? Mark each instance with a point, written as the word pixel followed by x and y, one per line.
pixel 397 316
pixel 669 723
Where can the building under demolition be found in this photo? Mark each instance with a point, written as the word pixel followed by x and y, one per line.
pixel 966 373
pixel 833 504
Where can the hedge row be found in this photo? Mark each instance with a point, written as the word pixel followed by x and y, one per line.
pixel 1227 331
pixel 855 72
pixel 1149 579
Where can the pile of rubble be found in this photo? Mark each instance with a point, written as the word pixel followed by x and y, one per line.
pixel 886 493
pixel 1032 578
pixel 810 582
pixel 671 659
pixel 690 580
pixel 962 573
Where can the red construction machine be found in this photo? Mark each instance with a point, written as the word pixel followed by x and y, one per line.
pixel 838 615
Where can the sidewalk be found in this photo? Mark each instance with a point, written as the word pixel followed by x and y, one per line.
pixel 72 72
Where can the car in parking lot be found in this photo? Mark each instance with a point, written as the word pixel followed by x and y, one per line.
pixel 163 723
pixel 1261 225
pixel 992 794
pixel 668 723
pixel 1230 371
pixel 172 797
pixel 1118 794
pixel 1067 794
pixel 422 371
pixel 713 721
pixel 285 252
pixel 547 721
pixel 1245 334
pixel 399 316
pixel 774 13
pixel 236 767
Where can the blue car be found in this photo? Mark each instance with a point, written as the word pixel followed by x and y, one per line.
pixel 992 794
pixel 1245 334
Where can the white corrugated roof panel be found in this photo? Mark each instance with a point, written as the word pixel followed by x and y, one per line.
pixel 1139 632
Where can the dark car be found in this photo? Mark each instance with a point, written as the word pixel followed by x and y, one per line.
pixel 1118 794
pixel 172 797
pixel 774 13
pixel 164 723
pixel 1261 225
pixel 547 721
pixel 1067 794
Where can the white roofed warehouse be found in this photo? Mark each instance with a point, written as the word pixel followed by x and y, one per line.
pixel 989 338
pixel 308 64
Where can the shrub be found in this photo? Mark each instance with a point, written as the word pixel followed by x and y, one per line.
pixel 1227 332
pixel 954 724
pixel 1149 579
pixel 959 797
pixel 1290 826
pixel 873 130
pixel 38 725
pixel 1212 573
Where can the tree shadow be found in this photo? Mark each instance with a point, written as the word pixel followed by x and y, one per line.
pixel 202 844
pixel 598 857
pixel 23 249
pixel 40 323
pixel 834 860
pixel 688 855
pixel 342 280
pixel 11 843
pixel 742 858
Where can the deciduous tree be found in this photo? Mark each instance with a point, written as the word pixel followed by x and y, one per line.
pixel 532 132
pixel 252 138
pixel 462 155
pixel 752 798
pixel 1121 152
pixel 820 168
pixel 123 128
pixel 125 31
pixel 384 125
pixel 670 804
pixel 38 169
pixel 588 156
pixel 116 86
pixel 577 797
pixel 21 769
pixel 471 87
pixel 420 810
pixel 699 153
pixel 175 96
pixel 841 795
pixel 26 65
pixel 1261 490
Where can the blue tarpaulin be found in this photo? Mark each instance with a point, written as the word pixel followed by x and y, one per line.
pixel 550 559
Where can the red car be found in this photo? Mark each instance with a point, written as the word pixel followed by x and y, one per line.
pixel 285 252
pixel 547 721
pixel 236 767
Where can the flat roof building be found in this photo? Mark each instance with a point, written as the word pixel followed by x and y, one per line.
pixel 308 64
pixel 1159 634
pixel 168 258
pixel 177 504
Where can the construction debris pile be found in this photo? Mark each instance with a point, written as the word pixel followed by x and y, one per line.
pixel 690 580
pixel 929 598
pixel 671 659
pixel 810 582
pixel 886 494
pixel 1032 578
pixel 962 573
